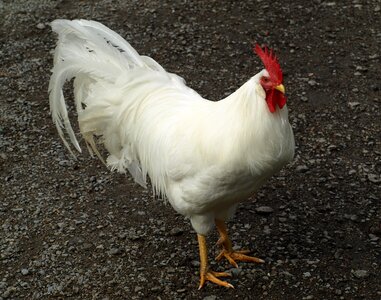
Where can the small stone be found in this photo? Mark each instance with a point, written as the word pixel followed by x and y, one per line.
pixel 195 263
pixel 350 217
pixel 263 210
pixel 266 230
pixel 138 289
pixel 312 82
pixel 6 294
pixel 61 225
pixel 211 297
pixel 353 104
pixel 374 56
pixel 87 246
pixel 176 231
pixel 24 272
pixel 40 26
pixel 302 168
pixel 235 271
pixel 115 251
pixel 374 178
pixel 306 274
pixel 373 237
pixel 287 274
pixel 360 274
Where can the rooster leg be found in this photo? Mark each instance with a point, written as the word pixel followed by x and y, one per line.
pixel 205 273
pixel 227 249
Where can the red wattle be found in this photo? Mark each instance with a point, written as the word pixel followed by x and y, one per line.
pixel 275 98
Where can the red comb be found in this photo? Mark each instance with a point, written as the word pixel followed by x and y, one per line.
pixel 270 62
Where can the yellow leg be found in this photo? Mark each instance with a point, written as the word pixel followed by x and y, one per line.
pixel 205 273
pixel 227 249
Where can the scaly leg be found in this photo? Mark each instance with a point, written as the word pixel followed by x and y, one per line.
pixel 205 273
pixel 227 249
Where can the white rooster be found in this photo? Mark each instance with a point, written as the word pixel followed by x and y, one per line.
pixel 203 156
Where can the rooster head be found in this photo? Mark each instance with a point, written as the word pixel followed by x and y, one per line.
pixel 272 82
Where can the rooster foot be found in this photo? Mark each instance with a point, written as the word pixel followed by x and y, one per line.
pixel 213 277
pixel 205 273
pixel 233 256
pixel 227 249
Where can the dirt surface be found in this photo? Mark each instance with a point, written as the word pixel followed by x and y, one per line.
pixel 72 229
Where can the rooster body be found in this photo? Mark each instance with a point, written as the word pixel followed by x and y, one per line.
pixel 203 156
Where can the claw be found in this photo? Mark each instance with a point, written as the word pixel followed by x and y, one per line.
pixel 227 249
pixel 213 277
pixel 205 273
pixel 232 256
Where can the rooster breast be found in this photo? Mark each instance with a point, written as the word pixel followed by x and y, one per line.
pixel 210 187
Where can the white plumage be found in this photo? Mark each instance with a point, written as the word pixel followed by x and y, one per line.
pixel 203 156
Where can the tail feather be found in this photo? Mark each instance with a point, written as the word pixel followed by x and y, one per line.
pixel 117 95
pixel 90 48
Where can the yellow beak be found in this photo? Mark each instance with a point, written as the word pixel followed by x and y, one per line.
pixel 280 88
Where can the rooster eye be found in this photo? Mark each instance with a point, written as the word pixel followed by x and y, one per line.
pixel 265 79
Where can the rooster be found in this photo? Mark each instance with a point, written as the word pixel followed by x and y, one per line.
pixel 205 157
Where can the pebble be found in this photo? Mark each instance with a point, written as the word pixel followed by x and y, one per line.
pixel 24 272
pixel 235 271
pixel 264 210
pixel 176 231
pixel 360 274
pixel 195 263
pixel 138 289
pixel 350 217
pixel 302 168
pixel 374 178
pixel 40 25
pixel 87 246
pixel 353 104
pixel 211 297
pixel 306 274
pixel 115 251
pixel 266 230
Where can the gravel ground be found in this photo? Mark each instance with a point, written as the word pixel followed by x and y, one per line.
pixel 72 229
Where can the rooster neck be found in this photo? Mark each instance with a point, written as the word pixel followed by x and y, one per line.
pixel 247 130
pixel 245 107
